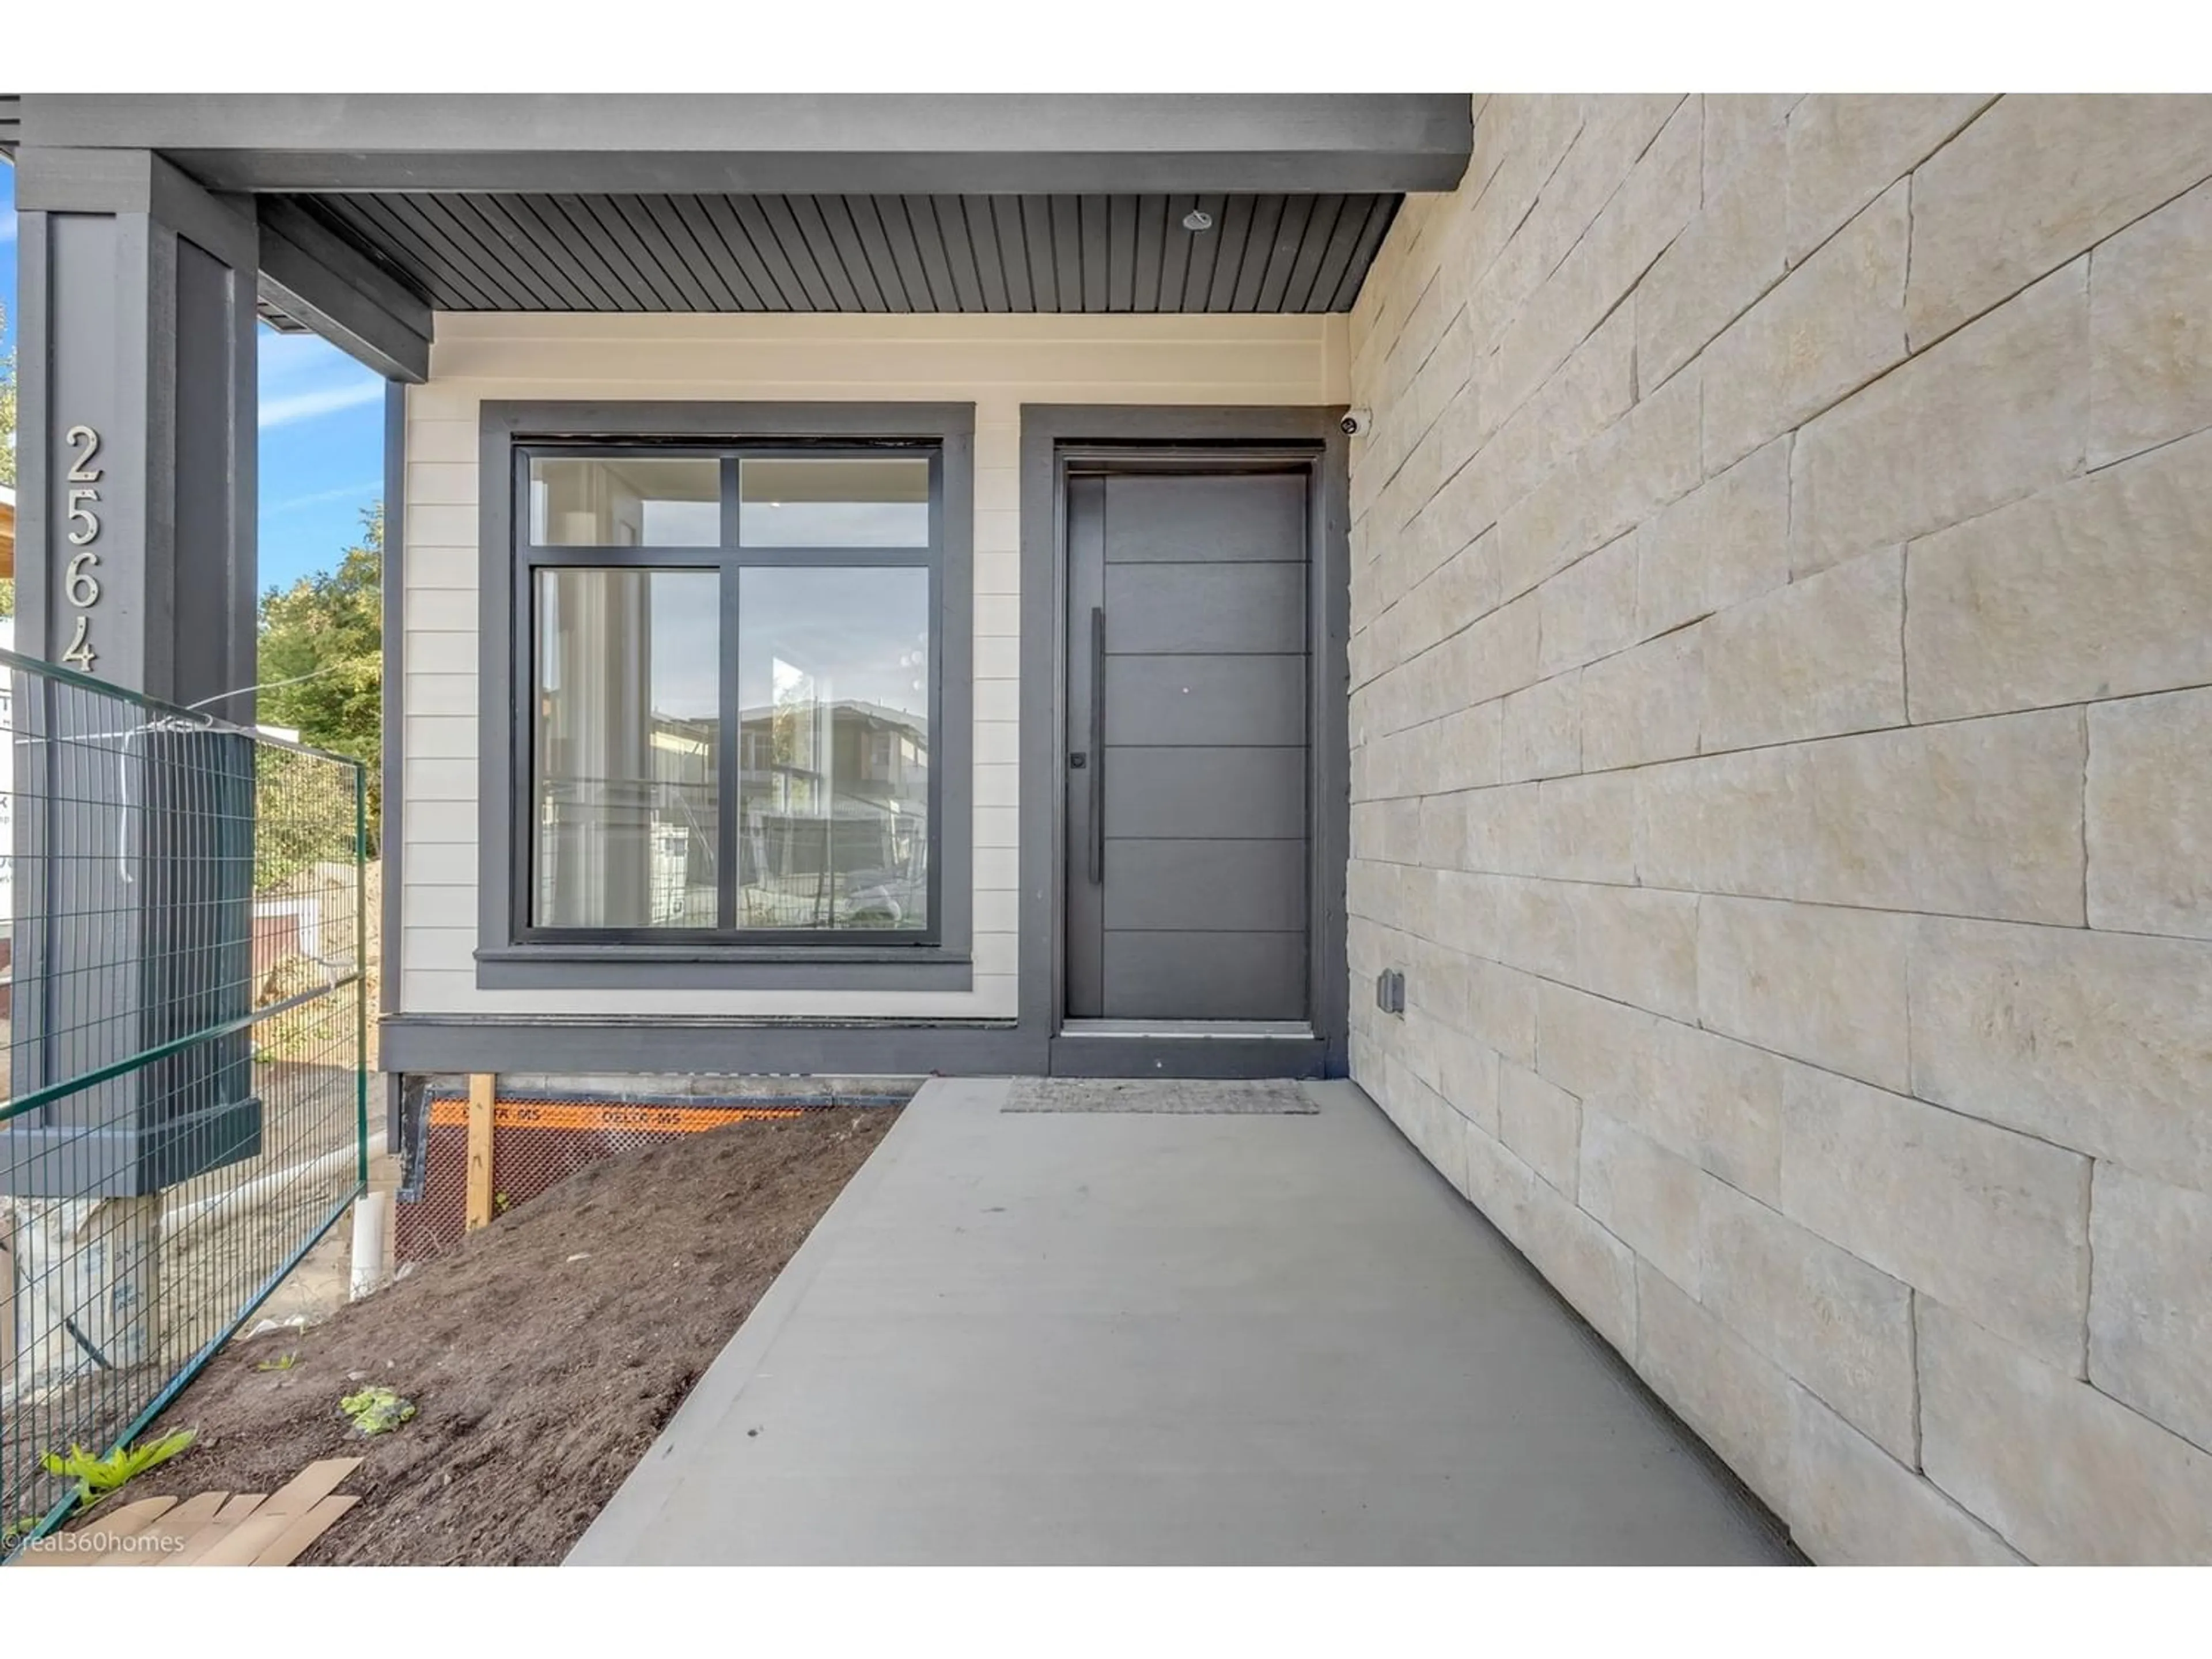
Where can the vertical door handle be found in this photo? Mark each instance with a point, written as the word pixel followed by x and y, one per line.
pixel 1098 745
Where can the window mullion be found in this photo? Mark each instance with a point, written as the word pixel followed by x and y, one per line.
pixel 729 743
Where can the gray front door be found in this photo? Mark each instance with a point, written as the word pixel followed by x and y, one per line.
pixel 1187 875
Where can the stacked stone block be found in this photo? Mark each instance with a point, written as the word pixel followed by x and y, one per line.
pixel 1781 761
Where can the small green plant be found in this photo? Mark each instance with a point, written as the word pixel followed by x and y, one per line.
pixel 500 1201
pixel 376 1410
pixel 283 1362
pixel 98 1477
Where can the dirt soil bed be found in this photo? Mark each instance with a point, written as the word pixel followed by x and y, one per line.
pixel 540 1380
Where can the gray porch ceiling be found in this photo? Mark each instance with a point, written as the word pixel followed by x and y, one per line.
pixel 375 212
pixel 476 251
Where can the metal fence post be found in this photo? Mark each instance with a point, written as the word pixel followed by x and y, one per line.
pixel 361 973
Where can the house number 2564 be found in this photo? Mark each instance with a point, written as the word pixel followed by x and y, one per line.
pixel 79 586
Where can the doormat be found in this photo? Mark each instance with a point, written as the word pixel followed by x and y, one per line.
pixel 1192 1097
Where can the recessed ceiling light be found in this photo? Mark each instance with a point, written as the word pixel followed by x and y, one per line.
pixel 1198 219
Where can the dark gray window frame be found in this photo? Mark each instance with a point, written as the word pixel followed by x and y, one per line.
pixel 506 957
pixel 726 560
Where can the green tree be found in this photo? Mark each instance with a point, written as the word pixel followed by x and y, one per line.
pixel 322 655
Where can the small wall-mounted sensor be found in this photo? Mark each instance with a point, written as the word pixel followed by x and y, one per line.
pixel 1356 423
pixel 1390 991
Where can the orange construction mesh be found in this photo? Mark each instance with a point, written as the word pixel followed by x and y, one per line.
pixel 537 1143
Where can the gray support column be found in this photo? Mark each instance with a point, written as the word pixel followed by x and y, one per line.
pixel 136 566
pixel 138 325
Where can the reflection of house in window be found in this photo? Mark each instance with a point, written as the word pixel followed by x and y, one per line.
pixel 834 831
pixel 628 792
pixel 672 810
pixel 684 789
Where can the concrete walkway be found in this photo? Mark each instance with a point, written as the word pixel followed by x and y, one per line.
pixel 1124 1338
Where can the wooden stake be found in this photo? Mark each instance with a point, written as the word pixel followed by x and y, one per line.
pixel 483 1087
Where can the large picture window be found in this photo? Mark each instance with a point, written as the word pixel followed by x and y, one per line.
pixel 730 682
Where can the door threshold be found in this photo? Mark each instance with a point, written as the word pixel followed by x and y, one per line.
pixel 1291 1029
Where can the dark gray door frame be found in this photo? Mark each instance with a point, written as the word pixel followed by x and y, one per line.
pixel 1053 437
pixel 1080 467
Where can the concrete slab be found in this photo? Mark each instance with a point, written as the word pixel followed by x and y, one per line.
pixel 1116 1338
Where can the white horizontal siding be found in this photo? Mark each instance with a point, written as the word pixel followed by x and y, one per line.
pixel 997 363
pixel 441 694
pixel 997 785
pixel 427 778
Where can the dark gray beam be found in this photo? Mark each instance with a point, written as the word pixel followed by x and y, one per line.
pixel 434 1042
pixel 317 279
pixel 917 143
pixel 132 182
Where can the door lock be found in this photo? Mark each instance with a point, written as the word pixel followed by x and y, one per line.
pixel 1078 761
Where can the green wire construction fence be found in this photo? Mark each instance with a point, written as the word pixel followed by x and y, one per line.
pixel 183 1022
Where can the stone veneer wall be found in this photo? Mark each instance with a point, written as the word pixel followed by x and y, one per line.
pixel 1782 764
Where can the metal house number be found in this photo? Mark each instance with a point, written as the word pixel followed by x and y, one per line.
pixel 79 586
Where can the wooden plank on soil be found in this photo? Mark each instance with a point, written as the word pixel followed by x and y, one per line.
pixel 303 1530
pixel 179 1528
pixel 310 1486
pixel 205 1537
pixel 483 1087
pixel 136 1516
pixel 103 1539
pixel 241 1505
pixel 241 1544
pixel 193 1512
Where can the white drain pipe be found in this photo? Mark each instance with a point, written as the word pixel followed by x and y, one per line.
pixel 372 1233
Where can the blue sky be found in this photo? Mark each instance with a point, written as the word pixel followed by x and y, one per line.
pixel 322 434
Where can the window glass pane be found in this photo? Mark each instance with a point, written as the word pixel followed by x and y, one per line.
pixel 818 502
pixel 626 764
pixel 626 503
pixel 833 670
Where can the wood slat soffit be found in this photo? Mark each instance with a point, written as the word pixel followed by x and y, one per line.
pixel 463 250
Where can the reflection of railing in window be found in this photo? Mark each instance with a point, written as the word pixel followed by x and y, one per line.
pixel 841 845
pixel 626 852
pixel 866 864
pixel 835 831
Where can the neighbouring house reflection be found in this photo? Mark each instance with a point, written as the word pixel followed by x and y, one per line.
pixel 833 748
pixel 833 830
pixel 626 766
pixel 833 788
